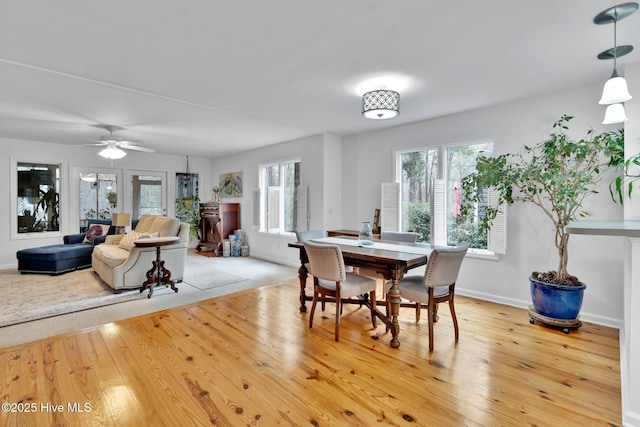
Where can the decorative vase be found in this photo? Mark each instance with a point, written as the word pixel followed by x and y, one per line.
pixel 365 237
pixel 556 301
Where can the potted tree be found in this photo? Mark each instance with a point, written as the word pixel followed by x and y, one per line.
pixel 555 175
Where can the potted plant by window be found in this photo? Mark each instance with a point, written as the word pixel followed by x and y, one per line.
pixel 555 175
pixel 187 211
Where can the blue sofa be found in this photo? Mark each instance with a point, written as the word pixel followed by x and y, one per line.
pixel 73 254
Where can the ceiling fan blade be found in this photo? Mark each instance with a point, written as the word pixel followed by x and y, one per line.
pixel 97 144
pixel 137 148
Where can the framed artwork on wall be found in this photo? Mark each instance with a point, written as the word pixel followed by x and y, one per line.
pixel 230 184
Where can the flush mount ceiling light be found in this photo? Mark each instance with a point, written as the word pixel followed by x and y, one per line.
pixel 615 90
pixel 380 104
pixel 112 152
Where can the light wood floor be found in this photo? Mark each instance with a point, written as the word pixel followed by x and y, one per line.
pixel 250 359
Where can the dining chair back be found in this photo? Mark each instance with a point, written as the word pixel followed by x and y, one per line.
pixel 330 278
pixel 437 285
pixel 399 236
pixel 310 234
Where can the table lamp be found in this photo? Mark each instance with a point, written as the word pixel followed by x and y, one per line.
pixel 120 221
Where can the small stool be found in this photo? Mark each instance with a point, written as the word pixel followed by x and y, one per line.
pixel 55 259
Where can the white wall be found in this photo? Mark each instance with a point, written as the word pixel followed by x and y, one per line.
pixel 311 152
pixel 368 161
pixel 73 157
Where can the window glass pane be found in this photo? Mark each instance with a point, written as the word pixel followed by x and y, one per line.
pixel 419 169
pixel 452 164
pixel 461 161
pixel 98 198
pixel 38 197
pixel 291 172
pixel 279 189
pixel 150 199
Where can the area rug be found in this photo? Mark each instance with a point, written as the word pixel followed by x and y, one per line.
pixel 27 297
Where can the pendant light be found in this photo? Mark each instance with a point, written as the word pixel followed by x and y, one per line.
pixel 614 114
pixel 615 90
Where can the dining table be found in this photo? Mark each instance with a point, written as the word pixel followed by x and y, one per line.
pixel 389 259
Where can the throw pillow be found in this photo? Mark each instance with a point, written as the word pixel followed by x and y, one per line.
pixel 128 241
pixel 94 231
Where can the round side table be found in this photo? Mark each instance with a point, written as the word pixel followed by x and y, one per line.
pixel 158 273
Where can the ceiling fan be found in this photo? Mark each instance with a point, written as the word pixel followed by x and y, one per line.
pixel 114 145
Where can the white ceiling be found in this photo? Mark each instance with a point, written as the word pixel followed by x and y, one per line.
pixel 213 77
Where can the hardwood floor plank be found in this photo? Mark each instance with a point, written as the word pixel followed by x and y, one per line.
pixel 250 359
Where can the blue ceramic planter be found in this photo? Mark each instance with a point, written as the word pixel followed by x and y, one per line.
pixel 556 301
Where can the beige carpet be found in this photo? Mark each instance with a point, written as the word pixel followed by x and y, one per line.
pixel 36 306
pixel 29 297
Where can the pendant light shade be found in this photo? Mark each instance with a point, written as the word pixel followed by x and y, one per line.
pixel 615 91
pixel 380 104
pixel 614 114
pixel 112 152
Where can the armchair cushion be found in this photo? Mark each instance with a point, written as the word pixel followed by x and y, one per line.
pixel 163 225
pixel 129 239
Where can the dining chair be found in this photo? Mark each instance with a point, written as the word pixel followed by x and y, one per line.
pixel 437 285
pixel 399 236
pixel 331 279
pixel 310 234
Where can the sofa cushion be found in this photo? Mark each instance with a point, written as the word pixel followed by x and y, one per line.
pixel 111 255
pixel 55 252
pixel 95 230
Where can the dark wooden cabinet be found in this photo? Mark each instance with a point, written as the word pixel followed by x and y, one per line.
pixel 217 221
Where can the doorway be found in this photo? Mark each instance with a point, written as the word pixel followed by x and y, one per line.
pixel 148 193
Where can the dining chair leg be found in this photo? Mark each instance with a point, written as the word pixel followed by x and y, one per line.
pixel 313 304
pixel 453 310
pixel 430 313
pixel 418 307
pixel 338 311
pixel 372 304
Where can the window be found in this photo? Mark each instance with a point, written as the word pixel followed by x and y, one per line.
pixel 430 193
pixel 279 186
pixel 38 202
pixel 98 197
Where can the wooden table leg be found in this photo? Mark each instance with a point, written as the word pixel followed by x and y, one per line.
pixel 302 275
pixel 157 275
pixel 393 296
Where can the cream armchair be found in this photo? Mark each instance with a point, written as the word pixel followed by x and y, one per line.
pixel 122 265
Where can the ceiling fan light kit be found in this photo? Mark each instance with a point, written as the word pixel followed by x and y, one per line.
pixel 112 152
pixel 615 90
